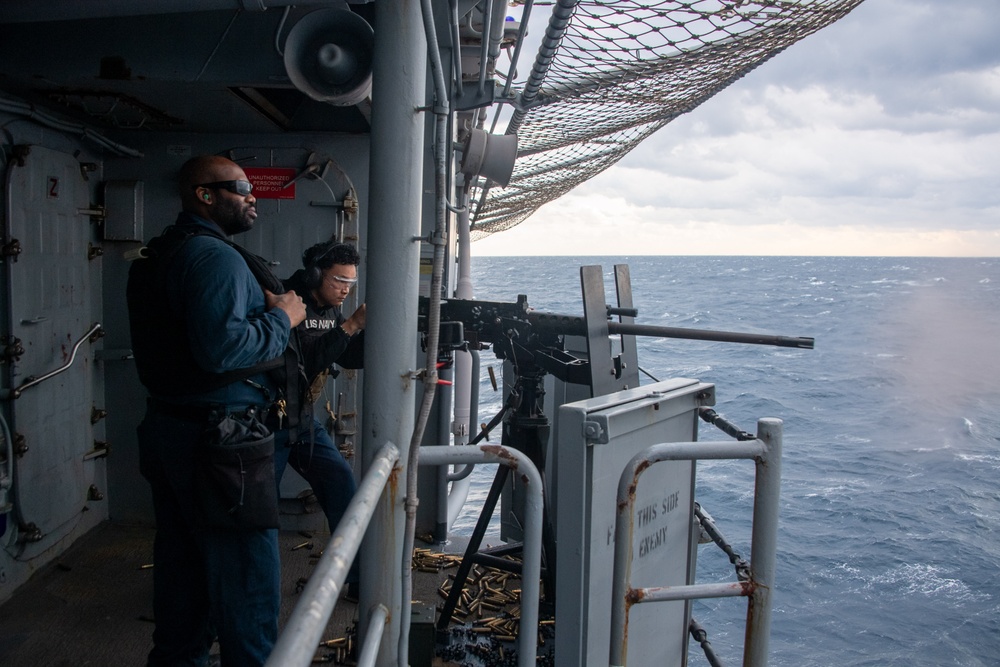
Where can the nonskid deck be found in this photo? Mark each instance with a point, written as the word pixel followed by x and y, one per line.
pixel 93 605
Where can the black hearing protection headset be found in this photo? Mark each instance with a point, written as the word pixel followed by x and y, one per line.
pixel 314 274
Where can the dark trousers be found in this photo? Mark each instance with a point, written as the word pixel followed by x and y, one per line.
pixel 206 583
pixel 317 459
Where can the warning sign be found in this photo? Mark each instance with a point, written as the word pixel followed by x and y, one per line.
pixel 270 182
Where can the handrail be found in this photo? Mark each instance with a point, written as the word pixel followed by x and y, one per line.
pixel 32 381
pixel 297 644
pixel 766 452
pixel 531 568
pixel 373 637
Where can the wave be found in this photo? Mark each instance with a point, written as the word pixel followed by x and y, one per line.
pixel 923 579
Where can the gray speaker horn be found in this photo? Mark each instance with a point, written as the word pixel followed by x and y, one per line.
pixel 328 56
pixel 489 155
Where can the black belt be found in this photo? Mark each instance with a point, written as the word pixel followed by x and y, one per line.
pixel 198 413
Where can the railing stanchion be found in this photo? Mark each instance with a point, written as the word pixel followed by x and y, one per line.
pixel 764 544
pixel 373 636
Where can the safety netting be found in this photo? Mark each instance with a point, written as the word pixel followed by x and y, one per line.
pixel 610 74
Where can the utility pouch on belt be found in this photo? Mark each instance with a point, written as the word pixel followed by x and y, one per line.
pixel 234 474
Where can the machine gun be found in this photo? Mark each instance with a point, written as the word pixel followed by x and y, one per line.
pixel 535 342
pixel 531 337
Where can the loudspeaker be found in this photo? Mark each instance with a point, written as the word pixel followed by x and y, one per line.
pixel 489 155
pixel 328 56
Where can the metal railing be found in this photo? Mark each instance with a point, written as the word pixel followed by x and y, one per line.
pixel 531 571
pixel 297 644
pixel 373 639
pixel 765 451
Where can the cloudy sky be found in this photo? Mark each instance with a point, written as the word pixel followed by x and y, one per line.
pixel 879 135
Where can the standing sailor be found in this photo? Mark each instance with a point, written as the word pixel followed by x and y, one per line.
pixel 204 335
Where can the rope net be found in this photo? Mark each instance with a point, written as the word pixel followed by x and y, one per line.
pixel 621 70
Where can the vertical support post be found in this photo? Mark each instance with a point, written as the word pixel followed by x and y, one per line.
pixel 764 544
pixel 630 352
pixel 595 313
pixel 399 81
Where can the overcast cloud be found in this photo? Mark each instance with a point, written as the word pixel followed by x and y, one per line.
pixel 879 135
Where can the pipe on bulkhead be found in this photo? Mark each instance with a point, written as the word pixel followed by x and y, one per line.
pixel 484 51
pixel 498 14
pixel 30 112
pixel 456 52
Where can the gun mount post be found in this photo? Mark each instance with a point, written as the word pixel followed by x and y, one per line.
pixel 595 317
pixel 628 365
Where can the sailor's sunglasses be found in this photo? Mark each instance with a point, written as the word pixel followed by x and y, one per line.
pixel 241 188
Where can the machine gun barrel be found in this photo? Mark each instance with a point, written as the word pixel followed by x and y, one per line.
pixel 707 334
pixel 575 325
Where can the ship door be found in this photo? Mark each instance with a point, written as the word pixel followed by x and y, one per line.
pixel 53 302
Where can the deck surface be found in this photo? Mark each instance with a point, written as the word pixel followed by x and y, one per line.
pixel 93 606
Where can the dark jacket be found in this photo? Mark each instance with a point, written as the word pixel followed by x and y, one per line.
pixel 198 318
pixel 321 340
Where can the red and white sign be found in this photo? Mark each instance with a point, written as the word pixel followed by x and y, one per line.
pixel 269 182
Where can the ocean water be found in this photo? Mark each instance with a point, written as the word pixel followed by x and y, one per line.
pixel 889 536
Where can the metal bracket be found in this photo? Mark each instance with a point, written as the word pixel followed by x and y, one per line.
pixel 96 212
pixel 20 444
pixel 470 97
pixel 12 348
pixel 100 450
pixel 11 249
pixel 595 433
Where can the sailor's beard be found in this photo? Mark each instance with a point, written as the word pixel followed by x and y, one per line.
pixel 234 216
